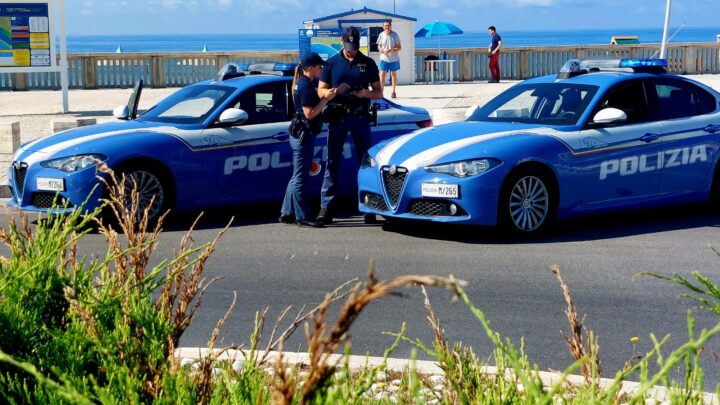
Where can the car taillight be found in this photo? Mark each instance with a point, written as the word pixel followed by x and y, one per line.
pixel 425 123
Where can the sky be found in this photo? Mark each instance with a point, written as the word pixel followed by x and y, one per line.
pixel 143 17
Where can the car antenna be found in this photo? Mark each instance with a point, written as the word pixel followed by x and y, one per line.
pixel 670 39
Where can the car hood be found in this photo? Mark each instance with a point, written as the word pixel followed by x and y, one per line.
pixel 45 147
pixel 430 145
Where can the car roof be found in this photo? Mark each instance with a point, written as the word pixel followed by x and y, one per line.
pixel 603 78
pixel 244 82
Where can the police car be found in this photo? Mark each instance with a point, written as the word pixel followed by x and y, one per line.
pixel 213 143
pixel 599 136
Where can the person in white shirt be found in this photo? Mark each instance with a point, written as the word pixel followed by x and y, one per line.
pixel 388 43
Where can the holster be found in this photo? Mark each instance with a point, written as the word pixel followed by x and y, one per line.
pixel 300 128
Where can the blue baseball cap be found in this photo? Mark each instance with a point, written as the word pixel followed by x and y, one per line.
pixel 311 59
pixel 351 39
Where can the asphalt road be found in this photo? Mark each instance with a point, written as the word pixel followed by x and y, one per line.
pixel 273 265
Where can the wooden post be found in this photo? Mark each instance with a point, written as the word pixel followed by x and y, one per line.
pixel 465 64
pixel 89 72
pixel 19 82
pixel 157 67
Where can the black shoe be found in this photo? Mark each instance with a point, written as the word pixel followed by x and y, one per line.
pixel 493 81
pixel 310 224
pixel 286 219
pixel 370 219
pixel 324 216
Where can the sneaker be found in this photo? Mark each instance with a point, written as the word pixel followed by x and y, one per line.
pixel 493 81
pixel 324 216
pixel 370 219
pixel 310 224
pixel 286 219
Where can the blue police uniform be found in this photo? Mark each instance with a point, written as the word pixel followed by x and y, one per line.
pixel 361 72
pixel 295 203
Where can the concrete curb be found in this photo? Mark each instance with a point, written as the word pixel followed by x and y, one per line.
pixel 657 393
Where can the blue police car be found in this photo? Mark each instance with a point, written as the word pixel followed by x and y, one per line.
pixel 599 136
pixel 213 143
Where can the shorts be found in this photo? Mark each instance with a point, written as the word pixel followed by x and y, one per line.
pixel 389 66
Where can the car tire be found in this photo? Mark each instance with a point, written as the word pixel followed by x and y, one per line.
pixel 715 190
pixel 527 203
pixel 150 183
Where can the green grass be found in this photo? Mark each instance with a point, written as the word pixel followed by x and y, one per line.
pixel 74 330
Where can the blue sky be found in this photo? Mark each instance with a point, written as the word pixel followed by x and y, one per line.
pixel 97 17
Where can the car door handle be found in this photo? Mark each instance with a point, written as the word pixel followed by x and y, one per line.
pixel 649 137
pixel 281 136
pixel 712 128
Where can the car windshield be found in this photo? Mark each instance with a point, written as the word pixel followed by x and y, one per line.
pixel 540 103
pixel 189 105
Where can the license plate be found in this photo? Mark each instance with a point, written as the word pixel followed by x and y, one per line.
pixel 50 184
pixel 440 190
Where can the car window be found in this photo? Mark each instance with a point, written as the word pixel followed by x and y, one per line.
pixel 630 98
pixel 189 105
pixel 265 103
pixel 678 99
pixel 541 103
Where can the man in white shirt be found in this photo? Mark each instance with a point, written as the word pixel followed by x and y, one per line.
pixel 388 43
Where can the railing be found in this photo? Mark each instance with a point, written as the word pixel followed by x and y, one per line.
pixel 121 70
pixel 523 63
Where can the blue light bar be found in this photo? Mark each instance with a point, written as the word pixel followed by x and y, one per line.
pixel 642 62
pixel 285 67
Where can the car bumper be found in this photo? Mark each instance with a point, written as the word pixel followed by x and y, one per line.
pixel 80 189
pixel 476 203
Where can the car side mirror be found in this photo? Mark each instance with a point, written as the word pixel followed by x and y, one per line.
pixel 121 112
pixel 233 116
pixel 609 116
pixel 471 110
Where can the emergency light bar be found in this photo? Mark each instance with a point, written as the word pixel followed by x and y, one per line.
pixel 576 67
pixel 232 70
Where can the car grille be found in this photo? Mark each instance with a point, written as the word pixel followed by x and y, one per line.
pixel 45 200
pixel 433 208
pixel 374 201
pixel 20 172
pixel 394 179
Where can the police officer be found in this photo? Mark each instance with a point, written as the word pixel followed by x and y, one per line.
pixel 356 80
pixel 305 126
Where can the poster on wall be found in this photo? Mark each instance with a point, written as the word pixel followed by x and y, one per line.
pixel 326 42
pixel 25 35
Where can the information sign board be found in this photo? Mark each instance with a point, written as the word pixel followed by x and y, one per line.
pixel 326 42
pixel 25 35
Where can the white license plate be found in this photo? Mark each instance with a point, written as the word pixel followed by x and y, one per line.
pixel 440 190
pixel 50 184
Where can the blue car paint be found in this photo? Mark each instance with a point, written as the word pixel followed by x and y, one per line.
pixel 575 168
pixel 195 157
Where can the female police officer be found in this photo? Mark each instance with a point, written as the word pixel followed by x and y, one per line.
pixel 305 126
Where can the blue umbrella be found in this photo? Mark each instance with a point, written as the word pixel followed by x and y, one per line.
pixel 438 29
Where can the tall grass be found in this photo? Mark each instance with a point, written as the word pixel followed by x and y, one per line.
pixel 105 330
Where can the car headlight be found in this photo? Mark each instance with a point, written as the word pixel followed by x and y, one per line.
pixel 464 168
pixel 73 163
pixel 367 161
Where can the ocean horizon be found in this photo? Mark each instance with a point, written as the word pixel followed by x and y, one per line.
pixel 289 42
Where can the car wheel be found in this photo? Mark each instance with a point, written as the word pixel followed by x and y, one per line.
pixel 152 192
pixel 526 205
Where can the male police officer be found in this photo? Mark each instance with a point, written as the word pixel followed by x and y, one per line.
pixel 351 74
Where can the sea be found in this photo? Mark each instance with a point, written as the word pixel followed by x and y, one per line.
pixel 289 41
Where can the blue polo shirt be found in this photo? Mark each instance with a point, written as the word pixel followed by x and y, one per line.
pixel 494 41
pixel 306 95
pixel 360 73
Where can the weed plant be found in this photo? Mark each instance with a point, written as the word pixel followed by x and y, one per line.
pixel 105 330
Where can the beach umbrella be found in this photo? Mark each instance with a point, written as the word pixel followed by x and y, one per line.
pixel 438 29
